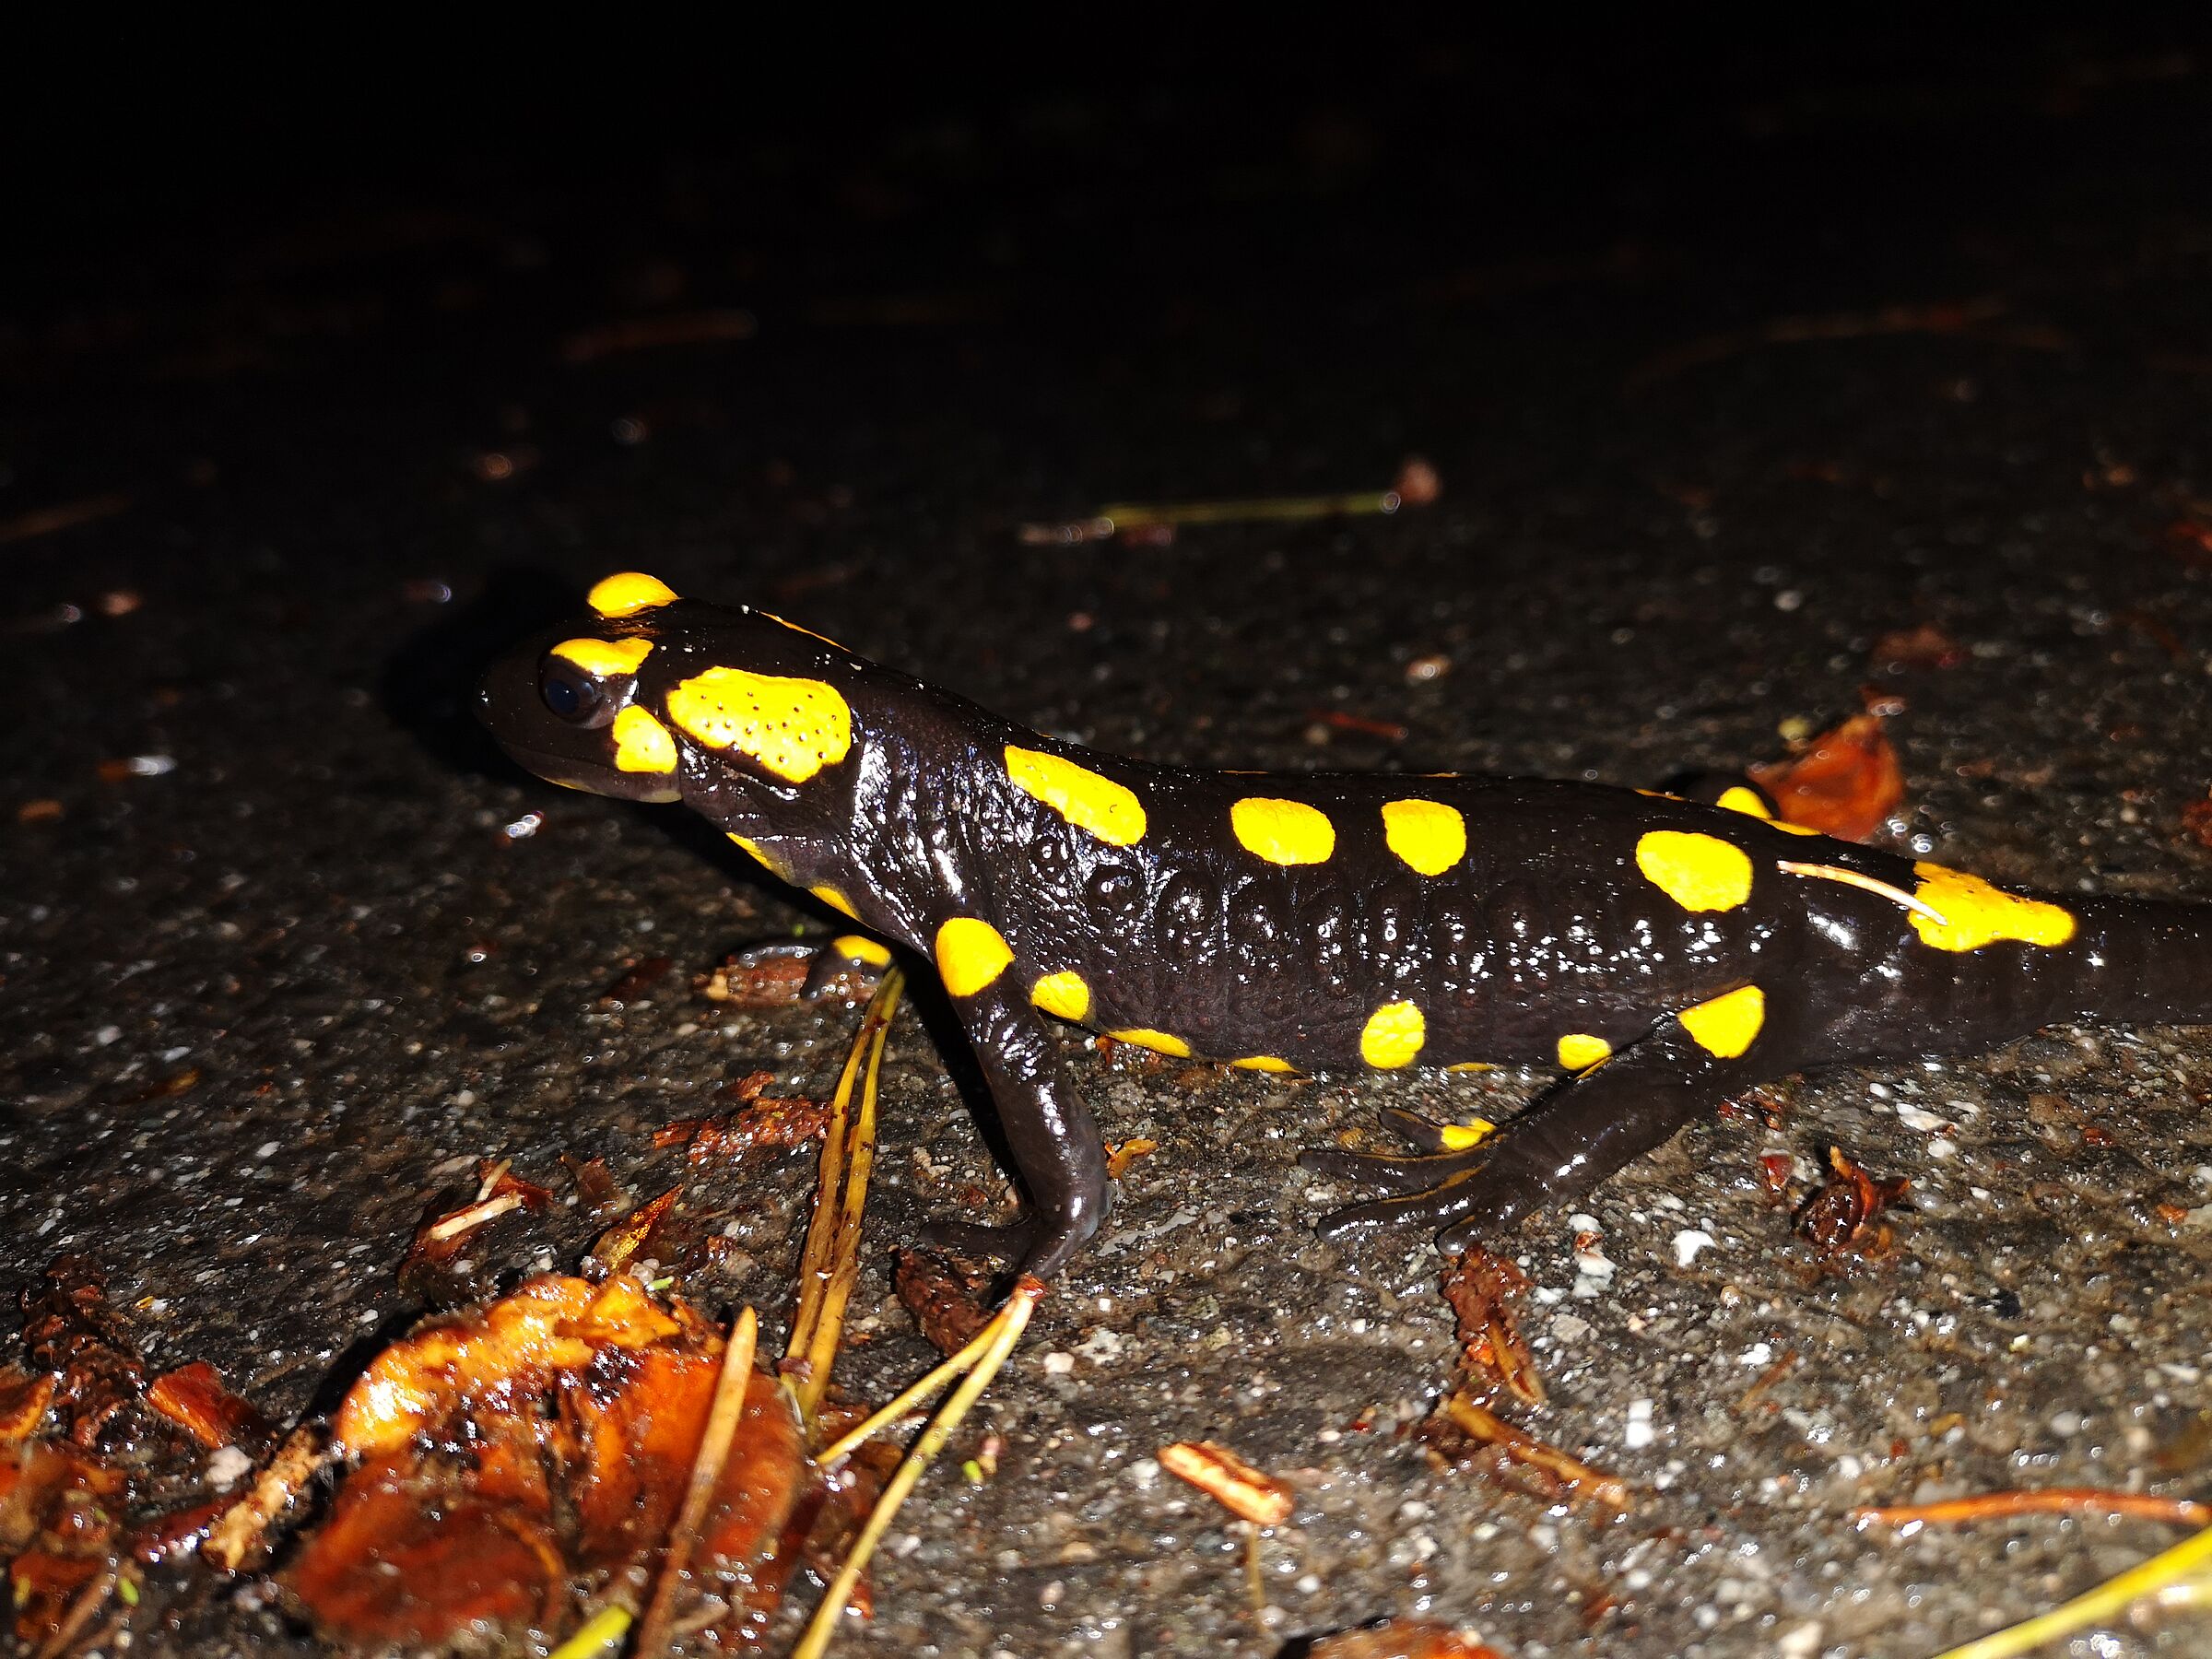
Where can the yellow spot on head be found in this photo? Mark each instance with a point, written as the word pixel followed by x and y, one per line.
pixel 794 727
pixel 1698 872
pixel 776 866
pixel 1579 1051
pixel 1458 1137
pixel 1266 1063
pixel 1741 798
pixel 1726 1026
pixel 859 948
pixel 1283 832
pixel 1976 913
pixel 835 900
pixel 971 955
pixel 629 592
pixel 1789 829
pixel 1144 1037
pixel 1394 1035
pixel 1065 995
pixel 1429 835
pixel 603 659
pixel 1078 794
pixel 641 743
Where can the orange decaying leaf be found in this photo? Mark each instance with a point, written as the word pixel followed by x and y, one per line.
pixel 192 1396
pixel 551 1322
pixel 1846 784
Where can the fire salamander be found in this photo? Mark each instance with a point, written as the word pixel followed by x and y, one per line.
pixel 1664 953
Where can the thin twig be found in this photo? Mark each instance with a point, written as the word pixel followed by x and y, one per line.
pixel 1866 884
pixel 706 1469
pixel 2045 1500
pixel 1006 1328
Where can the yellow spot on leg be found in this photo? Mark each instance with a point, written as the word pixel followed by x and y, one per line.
pixel 1976 913
pixel 1698 872
pixel 1579 1051
pixel 835 900
pixel 1741 798
pixel 1726 1026
pixel 1266 1063
pixel 1458 1137
pixel 794 727
pixel 859 948
pixel 603 659
pixel 1158 1041
pixel 971 955
pixel 1283 832
pixel 774 865
pixel 627 593
pixel 1429 835
pixel 1078 794
pixel 1393 1036
pixel 641 743
pixel 1065 995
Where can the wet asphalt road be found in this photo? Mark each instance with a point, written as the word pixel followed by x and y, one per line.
pixel 265 1005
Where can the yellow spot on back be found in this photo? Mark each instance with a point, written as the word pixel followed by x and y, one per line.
pixel 1473 1065
pixel 835 900
pixel 1078 794
pixel 1394 1035
pixel 641 743
pixel 1160 1042
pixel 971 955
pixel 1266 1063
pixel 1976 913
pixel 794 727
pixel 1458 1137
pixel 1283 832
pixel 1579 1051
pixel 1741 798
pixel 603 659
pixel 627 592
pixel 1698 872
pixel 1789 829
pixel 1727 1025
pixel 1062 994
pixel 1429 835
pixel 859 948
pixel 775 865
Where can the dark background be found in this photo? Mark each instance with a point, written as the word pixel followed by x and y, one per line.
pixel 1735 353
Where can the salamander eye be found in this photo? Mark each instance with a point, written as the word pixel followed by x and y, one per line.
pixel 572 695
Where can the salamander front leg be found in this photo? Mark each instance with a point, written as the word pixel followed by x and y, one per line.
pixel 1564 1145
pixel 1055 1139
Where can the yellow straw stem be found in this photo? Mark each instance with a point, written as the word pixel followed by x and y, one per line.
pixel 2104 1604
pixel 847 1154
pixel 844 1258
pixel 845 1443
pixel 598 1634
pixel 1006 1329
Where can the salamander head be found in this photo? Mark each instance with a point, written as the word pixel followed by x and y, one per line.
pixel 655 698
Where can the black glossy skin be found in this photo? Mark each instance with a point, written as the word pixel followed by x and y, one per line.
pixel 1545 928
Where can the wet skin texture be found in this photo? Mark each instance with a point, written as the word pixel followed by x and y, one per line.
pixel 1665 953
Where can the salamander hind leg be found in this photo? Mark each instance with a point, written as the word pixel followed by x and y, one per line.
pixel 1573 1138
